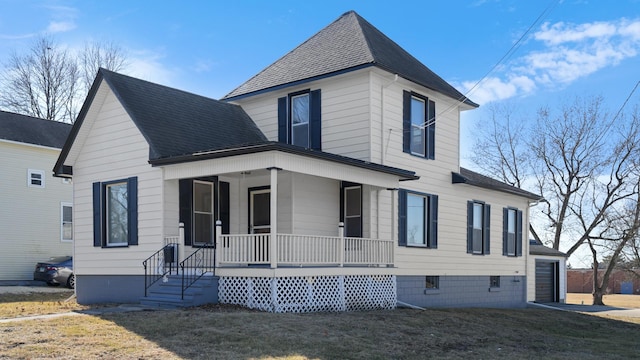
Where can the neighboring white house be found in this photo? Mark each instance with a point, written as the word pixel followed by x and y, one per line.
pixel 333 174
pixel 36 207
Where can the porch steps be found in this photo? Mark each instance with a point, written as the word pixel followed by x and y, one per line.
pixel 167 295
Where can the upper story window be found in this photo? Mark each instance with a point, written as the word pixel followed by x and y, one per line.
pixel 419 125
pixel 35 178
pixel 478 226
pixel 418 219
pixel 512 232
pixel 299 119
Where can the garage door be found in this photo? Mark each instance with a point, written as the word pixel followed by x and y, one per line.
pixel 545 281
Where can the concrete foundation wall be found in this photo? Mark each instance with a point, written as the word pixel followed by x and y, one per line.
pixel 463 291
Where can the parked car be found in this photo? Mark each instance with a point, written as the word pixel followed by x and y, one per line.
pixel 56 271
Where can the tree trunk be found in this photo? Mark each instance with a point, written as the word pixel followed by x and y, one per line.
pixel 597 288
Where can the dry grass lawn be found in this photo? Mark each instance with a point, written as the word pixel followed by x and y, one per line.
pixel 617 300
pixel 220 332
pixel 36 303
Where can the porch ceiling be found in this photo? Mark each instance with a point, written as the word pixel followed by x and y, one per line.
pixel 235 165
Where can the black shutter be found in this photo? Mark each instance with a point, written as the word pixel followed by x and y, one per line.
pixel 470 227
pixel 431 130
pixel 342 202
pixel 97 214
pixel 315 122
pixel 224 201
pixel 519 234
pixel 186 200
pixel 132 206
pixel 433 222
pixel 282 120
pixel 486 229
pixel 406 122
pixel 402 217
pixel 505 231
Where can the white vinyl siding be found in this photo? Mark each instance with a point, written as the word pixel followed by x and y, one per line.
pixel 345 113
pixel 30 216
pixel 113 148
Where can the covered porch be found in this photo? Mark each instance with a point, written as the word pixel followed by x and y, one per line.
pixel 277 209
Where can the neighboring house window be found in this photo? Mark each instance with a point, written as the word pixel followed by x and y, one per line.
pixel 432 282
pixel 351 209
pixel 478 225
pixel 418 125
pixel 66 221
pixel 299 119
pixel 115 213
pixel 35 178
pixel 418 219
pixel 512 232
pixel 203 201
pixel 494 281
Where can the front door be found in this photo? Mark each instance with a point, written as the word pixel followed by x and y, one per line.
pixel 260 211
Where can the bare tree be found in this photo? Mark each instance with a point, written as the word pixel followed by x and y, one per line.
pixel 582 162
pixel 49 82
pixel 107 55
pixel 41 83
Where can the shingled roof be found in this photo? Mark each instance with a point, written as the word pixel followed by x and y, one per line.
pixel 32 130
pixel 537 248
pixel 347 44
pixel 466 176
pixel 175 122
pixel 182 127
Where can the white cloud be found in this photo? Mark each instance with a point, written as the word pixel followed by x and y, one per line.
pixel 565 53
pixel 147 65
pixel 60 26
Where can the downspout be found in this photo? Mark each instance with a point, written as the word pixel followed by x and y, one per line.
pixel 526 242
pixel 382 88
pixel 382 148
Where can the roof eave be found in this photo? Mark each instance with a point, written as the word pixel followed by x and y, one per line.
pixel 297 82
pixel 457 178
pixel 404 175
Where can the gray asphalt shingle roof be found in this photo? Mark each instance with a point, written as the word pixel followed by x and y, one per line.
pixel 349 43
pixel 32 130
pixel 466 176
pixel 537 248
pixel 176 122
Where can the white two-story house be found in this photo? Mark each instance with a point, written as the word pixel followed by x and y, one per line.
pixel 330 180
pixel 36 209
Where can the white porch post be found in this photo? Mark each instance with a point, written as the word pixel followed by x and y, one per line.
pixel 273 220
pixel 180 242
pixel 217 243
pixel 341 250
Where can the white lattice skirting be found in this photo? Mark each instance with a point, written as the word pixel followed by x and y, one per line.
pixel 310 293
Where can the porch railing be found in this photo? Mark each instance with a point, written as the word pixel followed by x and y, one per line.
pixel 305 250
pixel 196 265
pixel 160 264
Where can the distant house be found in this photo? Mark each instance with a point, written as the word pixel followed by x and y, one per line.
pixel 36 209
pixel 329 181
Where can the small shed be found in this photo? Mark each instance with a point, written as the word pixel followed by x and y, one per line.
pixel 546 274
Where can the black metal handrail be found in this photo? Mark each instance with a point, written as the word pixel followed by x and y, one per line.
pixel 196 265
pixel 160 264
